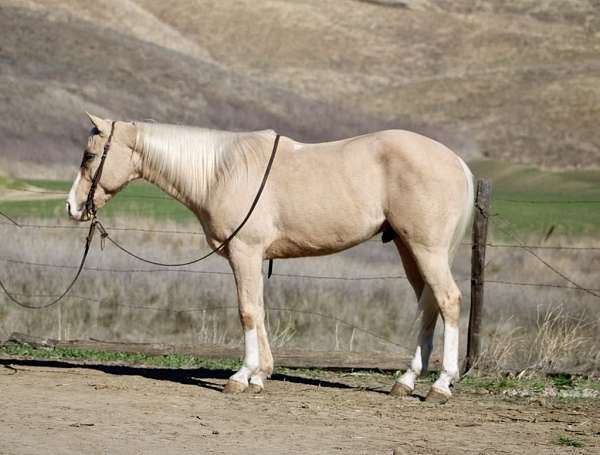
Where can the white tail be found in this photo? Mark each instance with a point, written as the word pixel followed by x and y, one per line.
pixel 463 224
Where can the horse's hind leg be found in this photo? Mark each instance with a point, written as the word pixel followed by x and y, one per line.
pixel 435 269
pixel 246 263
pixel 405 384
pixel 428 311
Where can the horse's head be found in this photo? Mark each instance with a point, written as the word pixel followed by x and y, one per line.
pixel 120 166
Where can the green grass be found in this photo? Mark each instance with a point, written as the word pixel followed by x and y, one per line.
pixel 552 193
pixel 565 441
pixel 163 361
pixel 9 183
pixel 138 199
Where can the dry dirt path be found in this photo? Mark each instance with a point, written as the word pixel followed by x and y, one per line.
pixel 53 407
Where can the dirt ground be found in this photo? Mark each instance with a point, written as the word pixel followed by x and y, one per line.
pixel 51 407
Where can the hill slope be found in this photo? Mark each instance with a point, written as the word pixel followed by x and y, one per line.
pixel 511 80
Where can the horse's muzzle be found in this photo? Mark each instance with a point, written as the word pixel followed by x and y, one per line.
pixel 80 215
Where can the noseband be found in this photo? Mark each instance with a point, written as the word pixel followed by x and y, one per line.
pixel 90 205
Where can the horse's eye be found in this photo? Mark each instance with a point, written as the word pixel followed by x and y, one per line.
pixel 87 156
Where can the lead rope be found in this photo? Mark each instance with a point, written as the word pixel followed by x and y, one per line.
pixel 31 306
pixel 105 235
pixel 90 211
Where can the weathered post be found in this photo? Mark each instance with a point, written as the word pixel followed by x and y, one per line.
pixel 480 228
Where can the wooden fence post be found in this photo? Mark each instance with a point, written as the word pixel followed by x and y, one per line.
pixel 480 228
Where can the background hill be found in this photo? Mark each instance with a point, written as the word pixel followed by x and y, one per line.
pixel 508 80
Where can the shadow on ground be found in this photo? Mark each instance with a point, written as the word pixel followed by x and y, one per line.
pixel 192 376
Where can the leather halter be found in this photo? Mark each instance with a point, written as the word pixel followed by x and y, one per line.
pixel 90 205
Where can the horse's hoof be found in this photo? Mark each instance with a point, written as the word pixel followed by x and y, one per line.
pixel 255 388
pixel 437 396
pixel 401 390
pixel 234 387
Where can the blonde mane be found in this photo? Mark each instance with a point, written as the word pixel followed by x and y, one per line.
pixel 193 159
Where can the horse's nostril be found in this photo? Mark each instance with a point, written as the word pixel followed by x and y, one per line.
pixel 68 208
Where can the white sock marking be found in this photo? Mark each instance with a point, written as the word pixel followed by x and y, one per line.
pixel 251 357
pixel 408 379
pixel 416 364
pixel 450 361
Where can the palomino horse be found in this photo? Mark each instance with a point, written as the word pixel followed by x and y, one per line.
pixel 319 199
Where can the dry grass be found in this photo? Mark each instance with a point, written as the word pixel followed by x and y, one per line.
pixel 562 338
pixel 525 327
pixel 560 341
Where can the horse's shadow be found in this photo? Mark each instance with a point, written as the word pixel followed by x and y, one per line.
pixel 191 376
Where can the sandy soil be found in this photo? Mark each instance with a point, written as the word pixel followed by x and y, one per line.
pixel 55 407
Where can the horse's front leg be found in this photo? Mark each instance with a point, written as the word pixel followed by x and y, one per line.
pixel 246 263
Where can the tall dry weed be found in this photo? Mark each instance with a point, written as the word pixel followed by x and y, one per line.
pixel 500 347
pixel 560 340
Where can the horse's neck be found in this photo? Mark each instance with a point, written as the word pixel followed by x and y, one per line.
pixel 185 162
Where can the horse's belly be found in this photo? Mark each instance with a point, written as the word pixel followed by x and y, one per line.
pixel 288 248
pixel 318 240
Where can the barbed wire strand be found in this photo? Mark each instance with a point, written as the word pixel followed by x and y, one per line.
pixel 65 193
pixel 205 272
pixel 282 275
pixel 557 201
pixel 123 228
pixel 541 247
pixel 541 285
pixel 511 234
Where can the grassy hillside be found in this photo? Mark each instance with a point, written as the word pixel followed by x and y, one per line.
pixel 511 80
pixel 535 201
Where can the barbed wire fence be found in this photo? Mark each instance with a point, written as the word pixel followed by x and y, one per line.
pixel 504 225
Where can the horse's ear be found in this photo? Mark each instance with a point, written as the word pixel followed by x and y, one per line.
pixel 101 124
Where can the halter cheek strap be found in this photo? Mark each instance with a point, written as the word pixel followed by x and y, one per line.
pixel 90 206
